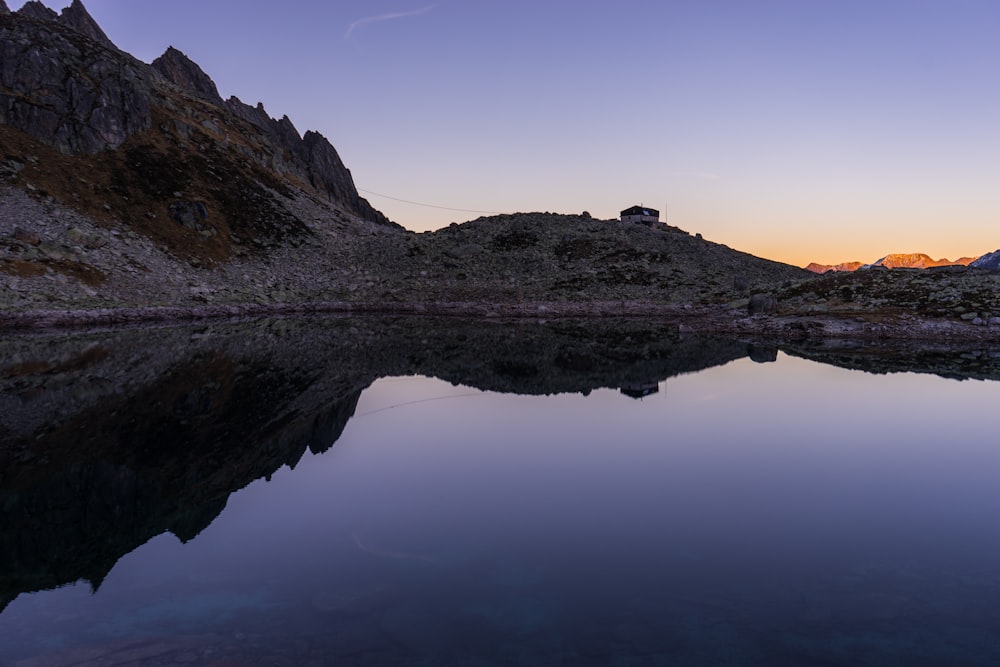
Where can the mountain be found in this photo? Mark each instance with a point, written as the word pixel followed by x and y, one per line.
pixel 125 184
pixel 66 85
pixel 917 261
pixel 990 260
pixel 893 261
pixel 823 268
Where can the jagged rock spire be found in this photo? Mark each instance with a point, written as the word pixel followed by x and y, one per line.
pixel 36 10
pixel 184 72
pixel 76 16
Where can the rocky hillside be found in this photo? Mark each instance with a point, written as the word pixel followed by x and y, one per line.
pixel 130 184
pixel 545 256
pixel 956 294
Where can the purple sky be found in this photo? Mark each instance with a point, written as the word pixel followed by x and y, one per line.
pixel 799 130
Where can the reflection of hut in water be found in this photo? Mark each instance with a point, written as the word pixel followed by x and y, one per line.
pixel 762 354
pixel 639 389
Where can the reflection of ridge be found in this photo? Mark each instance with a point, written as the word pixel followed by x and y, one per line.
pixel 163 458
pixel 102 452
pixel 109 439
pixel 893 357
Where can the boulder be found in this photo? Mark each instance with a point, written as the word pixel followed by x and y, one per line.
pixel 80 237
pixel 188 213
pixel 761 303
pixel 26 236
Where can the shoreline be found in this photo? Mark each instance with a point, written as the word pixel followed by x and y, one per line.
pixel 687 318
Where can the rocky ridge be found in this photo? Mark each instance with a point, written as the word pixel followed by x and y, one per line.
pixel 917 261
pixel 66 85
pixel 892 261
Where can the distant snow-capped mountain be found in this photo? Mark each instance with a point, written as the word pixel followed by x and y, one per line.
pixel 990 260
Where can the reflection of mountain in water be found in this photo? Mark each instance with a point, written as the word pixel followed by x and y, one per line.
pixel 109 439
pixel 898 357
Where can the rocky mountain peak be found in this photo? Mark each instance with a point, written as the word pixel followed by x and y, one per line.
pixel 3 8
pixel 917 260
pixel 990 260
pixel 184 72
pixel 36 10
pixel 78 18
pixel 74 16
pixel 65 87
pixel 154 147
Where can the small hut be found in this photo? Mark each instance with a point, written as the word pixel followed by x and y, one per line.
pixel 641 214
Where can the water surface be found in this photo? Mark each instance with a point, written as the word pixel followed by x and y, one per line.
pixel 349 493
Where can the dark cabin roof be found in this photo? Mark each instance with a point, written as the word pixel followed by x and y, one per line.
pixel 641 210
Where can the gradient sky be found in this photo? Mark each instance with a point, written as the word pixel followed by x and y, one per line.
pixel 798 130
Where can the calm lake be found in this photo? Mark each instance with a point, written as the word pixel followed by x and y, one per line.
pixel 417 492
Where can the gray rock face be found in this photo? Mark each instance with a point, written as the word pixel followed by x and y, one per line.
pixel 3 8
pixel 328 174
pixel 62 91
pixel 63 82
pixel 76 17
pixel 310 157
pixel 181 70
